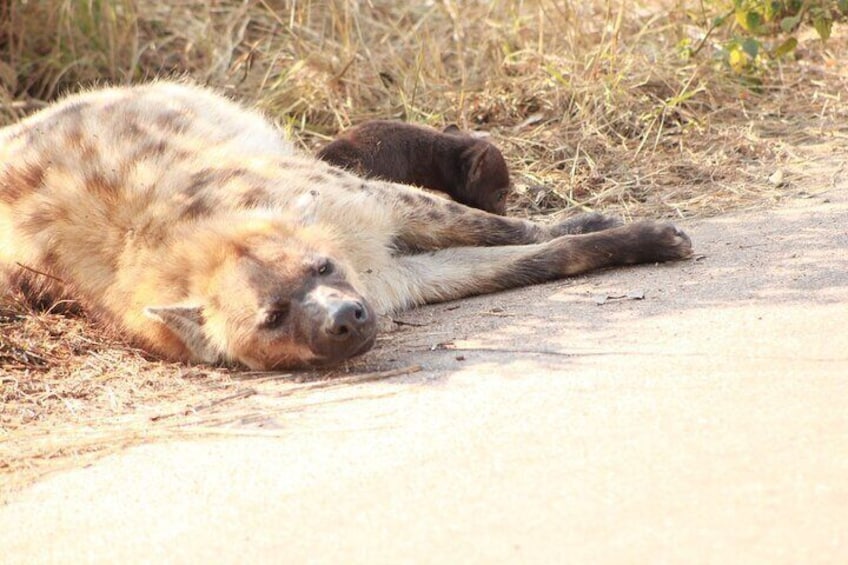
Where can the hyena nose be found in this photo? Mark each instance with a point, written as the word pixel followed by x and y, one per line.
pixel 341 324
pixel 345 318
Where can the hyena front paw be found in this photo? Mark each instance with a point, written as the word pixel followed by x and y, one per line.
pixel 664 241
pixel 584 223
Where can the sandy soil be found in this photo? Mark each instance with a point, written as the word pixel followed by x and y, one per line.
pixel 704 423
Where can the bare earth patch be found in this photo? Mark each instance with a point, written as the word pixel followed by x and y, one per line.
pixel 586 120
pixel 71 394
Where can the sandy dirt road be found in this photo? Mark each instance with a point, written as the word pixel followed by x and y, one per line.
pixel 705 423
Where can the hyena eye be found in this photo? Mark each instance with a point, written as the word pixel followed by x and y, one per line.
pixel 324 268
pixel 275 317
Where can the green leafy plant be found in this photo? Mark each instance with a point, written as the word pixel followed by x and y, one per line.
pixel 759 31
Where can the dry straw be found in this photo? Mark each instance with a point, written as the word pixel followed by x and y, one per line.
pixel 591 103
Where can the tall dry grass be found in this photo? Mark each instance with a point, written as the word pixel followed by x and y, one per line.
pixel 591 101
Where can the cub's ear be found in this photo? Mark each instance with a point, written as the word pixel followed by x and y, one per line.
pixel 186 322
pixel 477 162
pixel 452 129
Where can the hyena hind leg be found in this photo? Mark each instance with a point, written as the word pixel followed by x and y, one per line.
pixel 427 222
pixel 448 274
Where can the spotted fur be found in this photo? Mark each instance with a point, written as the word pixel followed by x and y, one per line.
pixel 190 225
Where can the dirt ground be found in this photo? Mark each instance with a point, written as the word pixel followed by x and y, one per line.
pixel 682 412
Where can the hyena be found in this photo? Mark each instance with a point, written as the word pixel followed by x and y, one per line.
pixel 472 171
pixel 192 227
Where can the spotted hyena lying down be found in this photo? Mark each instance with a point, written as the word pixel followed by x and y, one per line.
pixel 472 171
pixel 189 225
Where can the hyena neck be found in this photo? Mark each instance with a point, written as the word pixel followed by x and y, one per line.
pixel 199 250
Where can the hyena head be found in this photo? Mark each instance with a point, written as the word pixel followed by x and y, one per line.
pixel 269 299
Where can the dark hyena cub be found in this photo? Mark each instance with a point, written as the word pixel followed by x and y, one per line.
pixel 472 171
pixel 191 226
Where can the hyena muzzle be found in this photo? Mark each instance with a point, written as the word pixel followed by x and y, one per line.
pixel 192 227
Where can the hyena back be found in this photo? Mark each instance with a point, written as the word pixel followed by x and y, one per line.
pixel 190 225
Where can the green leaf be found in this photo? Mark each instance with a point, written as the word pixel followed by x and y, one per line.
pixel 753 20
pixel 823 26
pixel 843 6
pixel 790 23
pixel 751 47
pixel 737 59
pixel 742 19
pixel 786 47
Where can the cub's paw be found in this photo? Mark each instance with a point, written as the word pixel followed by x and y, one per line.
pixel 584 223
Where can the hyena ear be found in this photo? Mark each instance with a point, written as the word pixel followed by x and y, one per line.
pixel 452 129
pixel 304 209
pixel 186 322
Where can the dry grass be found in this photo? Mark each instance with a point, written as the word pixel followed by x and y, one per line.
pixel 589 101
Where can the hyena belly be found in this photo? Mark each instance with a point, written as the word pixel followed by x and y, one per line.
pixel 193 228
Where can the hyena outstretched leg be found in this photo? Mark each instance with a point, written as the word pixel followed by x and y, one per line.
pixel 583 223
pixel 448 274
pixel 428 222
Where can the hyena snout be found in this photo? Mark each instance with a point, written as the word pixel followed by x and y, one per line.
pixel 343 324
pixel 345 317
